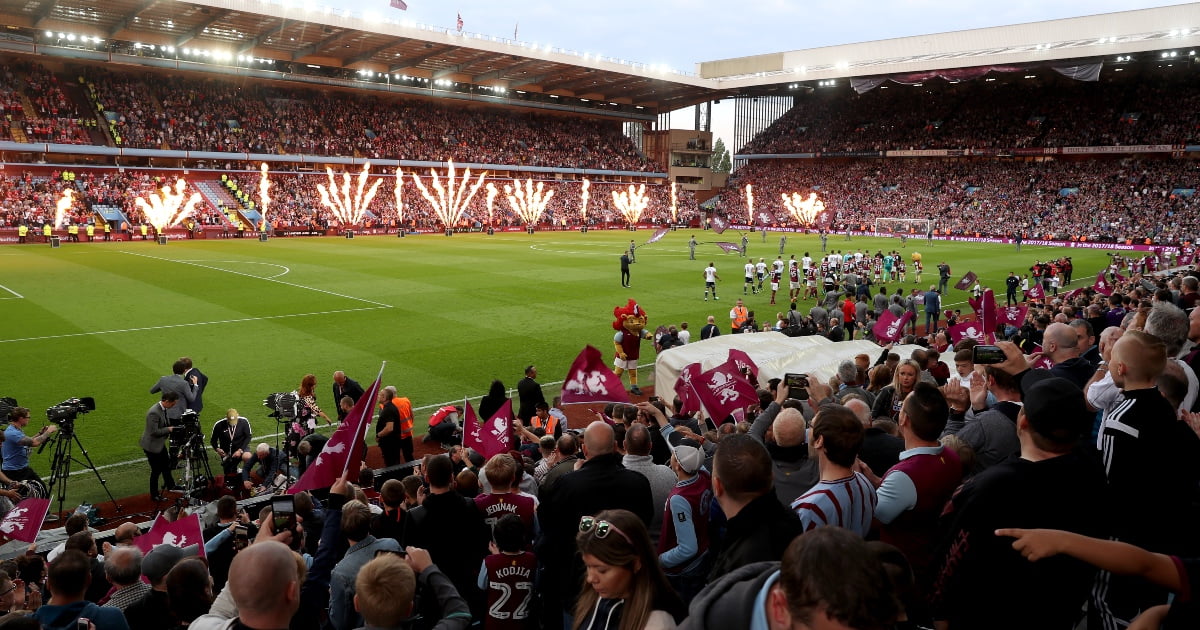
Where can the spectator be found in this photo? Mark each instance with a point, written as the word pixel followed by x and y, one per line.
pixel 507 576
pixel 385 590
pixel 683 544
pixel 991 432
pixel 69 577
pixel 264 583
pixel 153 611
pixel 662 479
pixel 356 524
pixel 843 497
pixel 189 590
pixel 123 566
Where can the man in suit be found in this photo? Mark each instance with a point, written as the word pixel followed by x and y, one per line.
pixel 198 380
pixel 154 442
pixel 344 386
pixel 530 394
pixel 184 390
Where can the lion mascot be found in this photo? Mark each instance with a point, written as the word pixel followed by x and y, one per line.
pixel 630 324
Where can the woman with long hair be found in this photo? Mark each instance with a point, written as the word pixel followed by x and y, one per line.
pixel 625 588
pixel 494 400
pixel 308 399
pixel 889 399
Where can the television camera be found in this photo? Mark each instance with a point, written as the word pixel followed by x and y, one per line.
pixel 66 411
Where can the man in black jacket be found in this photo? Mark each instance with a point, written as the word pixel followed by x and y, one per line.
pixel 601 483
pixel 344 386
pixel 452 529
pixel 759 527
pixel 530 394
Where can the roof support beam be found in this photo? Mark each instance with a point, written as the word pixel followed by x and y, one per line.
pixel 367 54
pixel 316 47
pixel 128 19
pixel 409 62
pixel 251 44
pixel 502 72
pixel 43 12
pixel 455 69
pixel 201 27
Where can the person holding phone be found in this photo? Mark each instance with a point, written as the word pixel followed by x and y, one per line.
pixel 356 526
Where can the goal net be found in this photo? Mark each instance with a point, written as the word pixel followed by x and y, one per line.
pixel 898 226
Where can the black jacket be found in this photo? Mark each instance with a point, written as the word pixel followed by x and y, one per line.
pixel 602 483
pixel 530 394
pixel 760 532
pixel 450 527
pixel 350 388
pixel 728 602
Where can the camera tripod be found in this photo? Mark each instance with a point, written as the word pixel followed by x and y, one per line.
pixel 60 464
pixel 196 470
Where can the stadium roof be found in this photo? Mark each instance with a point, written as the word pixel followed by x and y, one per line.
pixel 1099 37
pixel 301 32
pixel 296 31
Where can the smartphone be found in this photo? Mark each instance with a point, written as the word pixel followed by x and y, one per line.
pixel 283 511
pixel 83 624
pixel 987 355
pixel 241 537
pixel 384 552
pixel 795 381
pixel 653 399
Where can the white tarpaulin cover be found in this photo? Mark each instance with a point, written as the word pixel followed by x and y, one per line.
pixel 775 354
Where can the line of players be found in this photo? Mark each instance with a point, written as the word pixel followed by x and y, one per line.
pixel 828 272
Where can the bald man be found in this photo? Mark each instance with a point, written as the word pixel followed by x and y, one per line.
pixel 1149 458
pixel 600 483
pixel 1060 344
pixel 264 581
pixel 794 472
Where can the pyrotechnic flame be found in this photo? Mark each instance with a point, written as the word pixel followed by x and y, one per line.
pixel 399 192
pixel 450 204
pixel 583 199
pixel 264 195
pixel 63 205
pixel 631 204
pixel 492 193
pixel 750 202
pixel 349 209
pixel 529 203
pixel 163 210
pixel 805 211
pixel 674 203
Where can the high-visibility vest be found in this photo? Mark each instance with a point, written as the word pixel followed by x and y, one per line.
pixel 739 316
pixel 404 406
pixel 23 230
pixel 47 230
pixel 551 424
pixel 91 230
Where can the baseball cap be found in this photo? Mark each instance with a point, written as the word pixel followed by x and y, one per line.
pixel 689 457
pixel 159 561
pixel 1056 410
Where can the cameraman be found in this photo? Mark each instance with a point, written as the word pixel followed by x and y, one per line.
pixel 154 442
pixel 17 444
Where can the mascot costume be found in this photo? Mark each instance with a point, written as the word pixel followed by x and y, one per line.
pixel 630 324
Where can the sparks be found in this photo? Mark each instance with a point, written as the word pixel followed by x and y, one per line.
pixel 264 195
pixel 63 205
pixel 492 193
pixel 631 204
pixel 450 204
pixel 750 202
pixel 349 209
pixel 583 200
pixel 674 203
pixel 529 203
pixel 805 211
pixel 399 192
pixel 163 210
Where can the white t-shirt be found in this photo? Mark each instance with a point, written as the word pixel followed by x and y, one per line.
pixel 805 262
pixel 749 269
pixel 685 336
pixel 761 268
pixel 778 264
pixel 710 274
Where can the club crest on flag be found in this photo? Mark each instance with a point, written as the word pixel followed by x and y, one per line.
pixel 24 521
pixel 348 439
pixel 719 224
pixel 589 380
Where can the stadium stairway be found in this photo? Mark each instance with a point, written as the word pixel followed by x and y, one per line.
pixel 215 194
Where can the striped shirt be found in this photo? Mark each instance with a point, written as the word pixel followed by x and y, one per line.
pixel 848 502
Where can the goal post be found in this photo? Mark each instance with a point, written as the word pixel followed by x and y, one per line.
pixel 900 225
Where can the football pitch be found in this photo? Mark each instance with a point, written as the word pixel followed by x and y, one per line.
pixel 447 314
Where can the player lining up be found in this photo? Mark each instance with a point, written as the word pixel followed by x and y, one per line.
pixel 710 281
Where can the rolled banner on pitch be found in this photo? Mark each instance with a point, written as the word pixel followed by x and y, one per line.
pixel 967 281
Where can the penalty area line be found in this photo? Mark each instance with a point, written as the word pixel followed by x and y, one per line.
pixel 16 296
pixel 249 275
pixel 188 325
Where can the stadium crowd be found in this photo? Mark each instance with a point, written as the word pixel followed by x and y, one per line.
pixel 1133 107
pixel 1100 199
pixel 896 494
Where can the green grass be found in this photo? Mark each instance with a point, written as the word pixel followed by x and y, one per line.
pixel 447 314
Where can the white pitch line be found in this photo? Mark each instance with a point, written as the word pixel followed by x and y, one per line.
pixel 19 296
pixel 220 321
pixel 248 275
pixel 285 268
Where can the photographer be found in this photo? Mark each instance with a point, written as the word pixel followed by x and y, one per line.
pixel 17 444
pixel 229 439
pixel 154 443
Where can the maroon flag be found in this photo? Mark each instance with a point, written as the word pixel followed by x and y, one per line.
pixel 1152 263
pixel 494 436
pixel 184 532
pixel 1184 259
pixel 743 361
pixel 966 281
pixel 658 234
pixel 1035 292
pixel 729 247
pixel 24 521
pixel 969 330
pixel 719 224
pixel 1118 278
pixel 399 4
pixel 1043 363
pixel 891 328
pixel 686 390
pixel 590 381
pixel 1072 294
pixel 985 310
pixel 460 23
pixel 1102 285
pixel 1014 315
pixel 723 390
pixel 343 446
